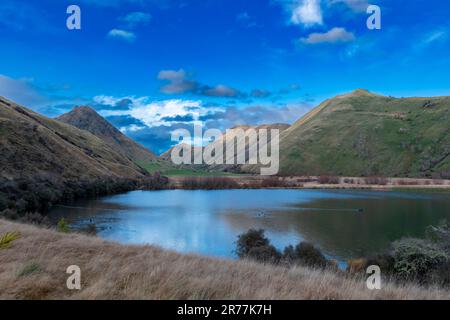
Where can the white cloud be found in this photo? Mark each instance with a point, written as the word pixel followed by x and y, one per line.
pixel 135 19
pixel 430 39
pixel 439 35
pixel 355 5
pixel 310 12
pixel 335 35
pixel 116 3
pixel 245 19
pixel 307 12
pixel 122 34
pixel 131 128
pixel 156 113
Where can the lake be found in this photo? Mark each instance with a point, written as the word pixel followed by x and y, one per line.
pixel 344 224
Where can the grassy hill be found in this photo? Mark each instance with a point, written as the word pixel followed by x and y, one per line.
pixel 232 133
pixel 44 161
pixel 364 134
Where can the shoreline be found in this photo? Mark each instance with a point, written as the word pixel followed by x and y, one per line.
pixel 311 183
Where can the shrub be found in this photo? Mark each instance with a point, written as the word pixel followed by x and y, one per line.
pixel 265 254
pixel 402 182
pixel 252 238
pixel 91 229
pixel 440 235
pixel 289 254
pixel 254 245
pixel 9 214
pixel 3 201
pixel 415 258
pixel 272 182
pixel 35 218
pixel 355 266
pixel 386 262
pixel 209 183
pixel 29 269
pixel 62 226
pixel 305 179
pixel 306 254
pixel 328 180
pixel 382 181
pixel 440 275
pixel 8 238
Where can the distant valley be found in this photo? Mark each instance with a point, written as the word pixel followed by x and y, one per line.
pixel 356 134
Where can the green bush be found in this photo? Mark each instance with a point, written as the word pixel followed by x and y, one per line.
pixel 8 238
pixel 265 254
pixel 308 255
pixel 289 254
pixel 441 275
pixel 440 235
pixel 91 229
pixel 63 226
pixel 254 245
pixel 416 258
pixel 386 262
pixel 29 269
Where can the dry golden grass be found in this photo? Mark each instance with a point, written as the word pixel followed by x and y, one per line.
pixel 34 267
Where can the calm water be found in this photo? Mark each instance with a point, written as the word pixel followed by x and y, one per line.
pixel 344 224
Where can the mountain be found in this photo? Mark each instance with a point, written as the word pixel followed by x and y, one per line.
pixel 167 155
pixel 44 161
pixel 229 134
pixel 365 134
pixel 85 118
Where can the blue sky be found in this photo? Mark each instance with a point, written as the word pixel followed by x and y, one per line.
pixel 150 66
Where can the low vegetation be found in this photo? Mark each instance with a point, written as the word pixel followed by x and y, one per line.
pixel 44 161
pixel 328 180
pixel 62 226
pixel 423 261
pixel 34 267
pixel 209 183
pixel 256 246
pixel 8 238
pixel 20 197
pixel 364 134
pixel 381 181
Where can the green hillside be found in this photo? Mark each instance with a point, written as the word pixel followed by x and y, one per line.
pixel 363 134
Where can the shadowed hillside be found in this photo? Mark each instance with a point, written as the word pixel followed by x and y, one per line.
pixel 364 134
pixel 45 161
pixel 86 118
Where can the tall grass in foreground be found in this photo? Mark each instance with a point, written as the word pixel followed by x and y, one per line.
pixel 35 269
